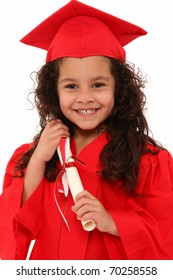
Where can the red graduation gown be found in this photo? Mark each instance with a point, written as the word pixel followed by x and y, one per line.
pixel 145 224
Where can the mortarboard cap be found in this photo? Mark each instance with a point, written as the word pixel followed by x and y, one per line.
pixel 79 30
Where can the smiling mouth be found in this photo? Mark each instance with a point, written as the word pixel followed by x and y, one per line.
pixel 86 112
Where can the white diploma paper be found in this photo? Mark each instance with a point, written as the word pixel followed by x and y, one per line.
pixel 73 180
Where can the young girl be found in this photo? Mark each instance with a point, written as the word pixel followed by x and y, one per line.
pixel 88 91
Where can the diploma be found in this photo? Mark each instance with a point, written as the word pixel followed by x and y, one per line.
pixel 72 176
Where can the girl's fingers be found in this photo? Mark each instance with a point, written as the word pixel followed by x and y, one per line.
pixel 54 121
pixel 50 138
pixel 85 203
pixel 56 125
pixel 55 129
pixel 84 194
pixel 84 199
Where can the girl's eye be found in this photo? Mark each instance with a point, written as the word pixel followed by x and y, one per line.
pixel 71 86
pixel 98 85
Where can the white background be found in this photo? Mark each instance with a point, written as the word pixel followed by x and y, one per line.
pixel 152 53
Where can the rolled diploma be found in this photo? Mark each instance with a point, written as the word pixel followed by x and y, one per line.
pixel 74 182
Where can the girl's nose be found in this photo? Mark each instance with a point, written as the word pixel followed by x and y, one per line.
pixel 85 96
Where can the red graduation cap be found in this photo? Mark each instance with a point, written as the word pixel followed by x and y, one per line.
pixel 79 30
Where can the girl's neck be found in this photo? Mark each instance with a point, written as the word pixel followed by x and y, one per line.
pixel 84 137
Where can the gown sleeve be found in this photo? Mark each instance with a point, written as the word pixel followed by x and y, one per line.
pixel 11 230
pixel 145 224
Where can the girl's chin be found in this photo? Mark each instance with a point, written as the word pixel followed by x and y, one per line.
pixel 89 129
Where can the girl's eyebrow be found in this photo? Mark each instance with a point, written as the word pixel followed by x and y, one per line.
pixel 67 80
pixel 100 78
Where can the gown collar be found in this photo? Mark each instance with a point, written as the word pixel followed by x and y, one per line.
pixel 90 154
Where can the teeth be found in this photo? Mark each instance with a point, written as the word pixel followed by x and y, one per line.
pixel 85 112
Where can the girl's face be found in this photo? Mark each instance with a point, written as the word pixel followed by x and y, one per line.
pixel 86 91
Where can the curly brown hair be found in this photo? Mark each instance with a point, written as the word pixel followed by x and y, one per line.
pixel 126 127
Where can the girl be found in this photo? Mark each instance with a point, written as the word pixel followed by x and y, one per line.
pixel 88 91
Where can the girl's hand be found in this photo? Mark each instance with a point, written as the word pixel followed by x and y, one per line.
pixel 49 140
pixel 88 207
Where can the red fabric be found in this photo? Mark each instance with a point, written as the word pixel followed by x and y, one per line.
pixel 79 30
pixel 10 201
pixel 145 224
